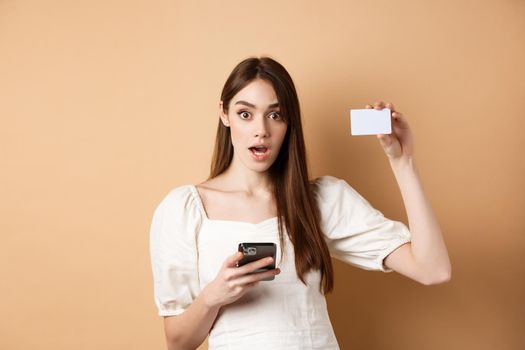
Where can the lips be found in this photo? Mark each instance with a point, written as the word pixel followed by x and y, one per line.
pixel 260 153
pixel 258 149
pixel 260 145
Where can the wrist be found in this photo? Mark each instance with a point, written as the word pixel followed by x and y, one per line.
pixel 405 170
pixel 208 300
pixel 403 163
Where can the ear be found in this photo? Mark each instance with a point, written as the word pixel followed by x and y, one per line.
pixel 224 117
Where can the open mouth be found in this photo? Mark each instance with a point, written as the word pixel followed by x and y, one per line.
pixel 259 151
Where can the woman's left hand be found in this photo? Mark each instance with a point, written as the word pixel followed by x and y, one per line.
pixel 399 144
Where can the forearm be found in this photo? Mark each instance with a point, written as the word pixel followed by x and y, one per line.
pixel 189 329
pixel 427 246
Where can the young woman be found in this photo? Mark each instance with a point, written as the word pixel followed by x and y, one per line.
pixel 259 191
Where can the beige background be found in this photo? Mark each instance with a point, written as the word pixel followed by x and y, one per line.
pixel 107 105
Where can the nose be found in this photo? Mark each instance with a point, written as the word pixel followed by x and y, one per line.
pixel 260 127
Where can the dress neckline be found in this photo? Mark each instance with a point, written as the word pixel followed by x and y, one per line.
pixel 197 197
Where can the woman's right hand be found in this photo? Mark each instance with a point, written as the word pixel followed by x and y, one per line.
pixel 233 282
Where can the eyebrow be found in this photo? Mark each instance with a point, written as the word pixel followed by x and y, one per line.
pixel 253 106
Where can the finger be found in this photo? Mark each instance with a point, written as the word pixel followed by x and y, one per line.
pixel 390 106
pixel 368 106
pixel 232 260
pixel 262 262
pixel 253 284
pixel 385 139
pixel 379 105
pixel 254 265
pixel 396 114
pixel 400 119
pixel 256 277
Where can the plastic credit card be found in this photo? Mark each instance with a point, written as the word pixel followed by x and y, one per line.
pixel 370 121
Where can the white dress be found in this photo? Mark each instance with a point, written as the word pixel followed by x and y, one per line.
pixel 187 250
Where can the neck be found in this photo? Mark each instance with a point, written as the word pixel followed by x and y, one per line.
pixel 241 178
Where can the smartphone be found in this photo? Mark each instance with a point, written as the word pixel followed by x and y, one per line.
pixel 256 251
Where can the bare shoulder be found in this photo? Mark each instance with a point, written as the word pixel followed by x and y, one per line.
pixel 210 187
pixel 213 196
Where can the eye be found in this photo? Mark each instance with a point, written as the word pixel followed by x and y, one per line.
pixel 278 116
pixel 240 113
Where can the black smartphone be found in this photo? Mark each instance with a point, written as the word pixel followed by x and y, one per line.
pixel 256 251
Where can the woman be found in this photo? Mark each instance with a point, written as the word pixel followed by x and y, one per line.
pixel 259 191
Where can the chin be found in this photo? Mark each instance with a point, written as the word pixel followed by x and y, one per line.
pixel 260 168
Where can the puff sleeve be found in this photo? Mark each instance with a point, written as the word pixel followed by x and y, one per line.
pixel 355 232
pixel 173 252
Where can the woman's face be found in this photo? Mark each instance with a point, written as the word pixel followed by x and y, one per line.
pixel 254 120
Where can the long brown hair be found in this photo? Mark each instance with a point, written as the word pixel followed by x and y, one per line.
pixel 293 191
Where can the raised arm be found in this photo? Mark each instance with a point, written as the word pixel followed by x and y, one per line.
pixel 425 259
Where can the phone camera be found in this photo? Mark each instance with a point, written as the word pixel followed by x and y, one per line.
pixel 250 250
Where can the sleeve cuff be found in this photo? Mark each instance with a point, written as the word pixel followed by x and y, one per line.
pixel 171 312
pixel 395 244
